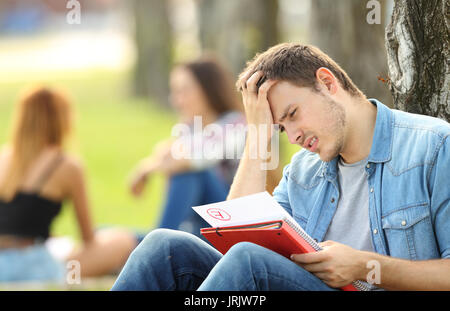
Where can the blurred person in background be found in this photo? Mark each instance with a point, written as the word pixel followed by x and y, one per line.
pixel 36 176
pixel 201 91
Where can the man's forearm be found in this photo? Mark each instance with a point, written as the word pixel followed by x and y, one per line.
pixel 252 171
pixel 250 176
pixel 401 274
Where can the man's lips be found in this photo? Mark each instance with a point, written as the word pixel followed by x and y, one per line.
pixel 307 141
pixel 311 140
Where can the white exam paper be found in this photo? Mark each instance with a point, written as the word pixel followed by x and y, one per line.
pixel 253 208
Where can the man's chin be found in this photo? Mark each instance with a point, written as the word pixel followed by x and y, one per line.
pixel 327 156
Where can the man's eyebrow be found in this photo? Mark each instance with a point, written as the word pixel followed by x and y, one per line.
pixel 285 113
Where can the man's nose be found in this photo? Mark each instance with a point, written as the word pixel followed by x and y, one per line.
pixel 294 137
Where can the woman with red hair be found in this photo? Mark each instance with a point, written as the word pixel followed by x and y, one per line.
pixel 36 176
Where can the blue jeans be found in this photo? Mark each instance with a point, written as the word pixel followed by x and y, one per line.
pixel 175 260
pixel 32 263
pixel 191 189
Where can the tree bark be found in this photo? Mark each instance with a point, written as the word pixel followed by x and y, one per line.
pixel 417 43
pixel 153 38
pixel 341 29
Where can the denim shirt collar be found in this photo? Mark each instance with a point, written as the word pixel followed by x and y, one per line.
pixel 381 149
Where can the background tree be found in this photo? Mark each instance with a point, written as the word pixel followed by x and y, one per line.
pixel 238 29
pixel 341 29
pixel 153 38
pixel 417 43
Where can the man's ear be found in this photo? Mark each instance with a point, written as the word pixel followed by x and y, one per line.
pixel 326 78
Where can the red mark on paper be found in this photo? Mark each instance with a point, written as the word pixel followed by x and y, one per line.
pixel 218 214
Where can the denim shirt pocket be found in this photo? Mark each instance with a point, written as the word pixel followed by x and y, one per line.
pixel 406 228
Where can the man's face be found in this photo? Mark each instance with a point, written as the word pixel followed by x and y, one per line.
pixel 310 119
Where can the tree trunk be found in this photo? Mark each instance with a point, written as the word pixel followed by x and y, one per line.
pixel 417 42
pixel 238 29
pixel 153 37
pixel 341 29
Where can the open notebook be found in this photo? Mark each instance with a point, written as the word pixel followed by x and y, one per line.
pixel 258 218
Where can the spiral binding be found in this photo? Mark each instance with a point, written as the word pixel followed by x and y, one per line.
pixel 357 284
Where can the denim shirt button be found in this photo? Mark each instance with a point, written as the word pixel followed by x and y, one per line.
pixel 368 165
pixel 403 222
pixel 375 231
pixel 332 200
pixel 371 189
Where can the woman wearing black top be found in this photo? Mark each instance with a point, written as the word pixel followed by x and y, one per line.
pixel 36 176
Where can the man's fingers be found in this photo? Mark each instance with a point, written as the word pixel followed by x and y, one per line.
pixel 315 267
pixel 243 79
pixel 326 243
pixel 251 82
pixel 265 87
pixel 308 258
pixel 323 276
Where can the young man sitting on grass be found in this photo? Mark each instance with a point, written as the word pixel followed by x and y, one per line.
pixel 370 182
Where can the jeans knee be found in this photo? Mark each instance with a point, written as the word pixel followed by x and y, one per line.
pixel 244 252
pixel 245 248
pixel 162 237
pixel 157 235
pixel 167 240
pixel 235 269
pixel 153 243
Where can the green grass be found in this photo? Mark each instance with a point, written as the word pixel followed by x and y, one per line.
pixel 113 131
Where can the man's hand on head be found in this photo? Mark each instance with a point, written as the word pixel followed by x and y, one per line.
pixel 255 100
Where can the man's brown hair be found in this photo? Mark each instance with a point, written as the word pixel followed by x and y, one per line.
pixel 297 64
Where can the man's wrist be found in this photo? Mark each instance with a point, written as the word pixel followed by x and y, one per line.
pixel 364 258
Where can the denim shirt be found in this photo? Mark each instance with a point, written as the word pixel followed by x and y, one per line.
pixel 408 171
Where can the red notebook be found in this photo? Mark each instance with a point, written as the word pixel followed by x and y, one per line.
pixel 281 236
